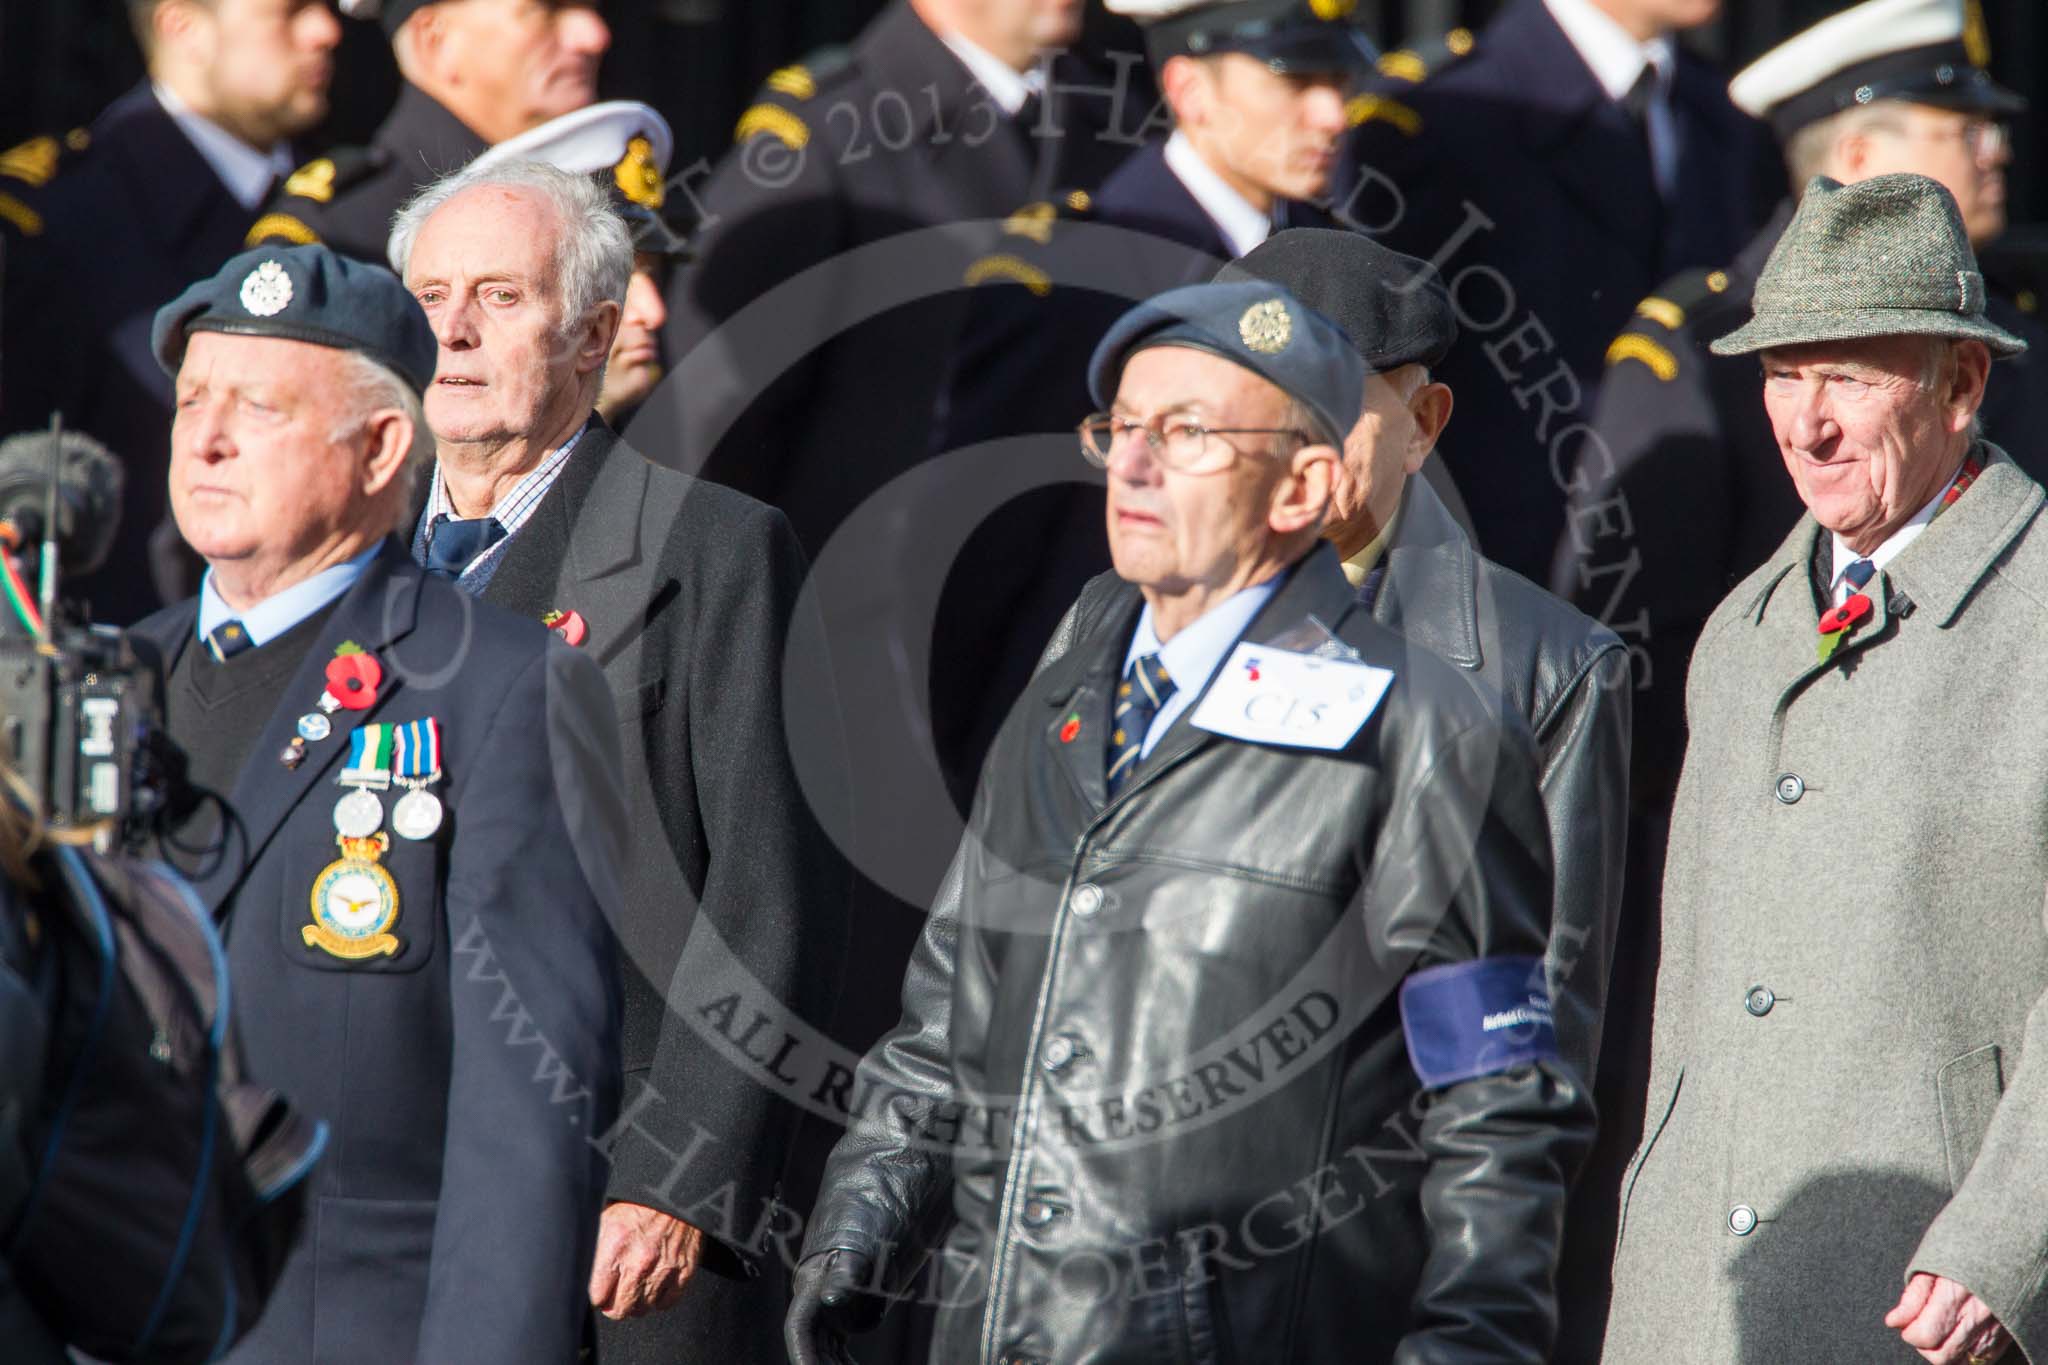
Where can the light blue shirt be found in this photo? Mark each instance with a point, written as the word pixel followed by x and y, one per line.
pixel 1193 656
pixel 279 612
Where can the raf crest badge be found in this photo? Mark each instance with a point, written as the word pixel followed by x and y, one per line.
pixel 1266 327
pixel 355 902
pixel 267 291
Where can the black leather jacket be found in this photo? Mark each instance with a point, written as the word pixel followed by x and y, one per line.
pixel 1567 677
pixel 1152 1060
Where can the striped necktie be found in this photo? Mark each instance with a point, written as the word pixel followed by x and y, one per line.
pixel 1145 688
pixel 1856 575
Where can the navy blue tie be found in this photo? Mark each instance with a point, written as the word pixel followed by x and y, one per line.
pixel 226 640
pixel 453 544
pixel 1858 574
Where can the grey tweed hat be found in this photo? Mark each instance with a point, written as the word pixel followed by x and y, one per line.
pixel 1883 257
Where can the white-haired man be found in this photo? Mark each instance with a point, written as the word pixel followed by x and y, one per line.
pixel 685 592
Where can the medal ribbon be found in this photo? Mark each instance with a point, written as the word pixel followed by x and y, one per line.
pixel 369 757
pixel 418 750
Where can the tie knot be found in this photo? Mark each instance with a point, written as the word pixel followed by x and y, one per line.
pixel 1148 676
pixel 453 543
pixel 228 639
pixel 1859 573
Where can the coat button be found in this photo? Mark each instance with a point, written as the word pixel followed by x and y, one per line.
pixel 1058 1053
pixel 1759 1000
pixel 1087 899
pixel 1790 787
pixel 1037 1213
pixel 1742 1220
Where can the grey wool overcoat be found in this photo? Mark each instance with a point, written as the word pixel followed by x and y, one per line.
pixel 1850 1074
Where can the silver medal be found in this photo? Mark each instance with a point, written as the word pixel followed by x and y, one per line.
pixel 314 727
pixel 358 814
pixel 417 814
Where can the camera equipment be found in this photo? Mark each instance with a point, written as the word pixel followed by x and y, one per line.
pixel 77 711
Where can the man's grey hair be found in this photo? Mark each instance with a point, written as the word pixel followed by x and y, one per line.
pixel 593 251
pixel 1938 369
pixel 1811 151
pixel 373 386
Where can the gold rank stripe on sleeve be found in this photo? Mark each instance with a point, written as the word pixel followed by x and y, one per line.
pixel 1404 65
pixel 314 181
pixel 280 227
pixel 779 123
pixel 1632 346
pixel 793 81
pixel 33 162
pixel 1363 109
pixel 1034 221
pixel 24 218
pixel 1662 311
pixel 991 269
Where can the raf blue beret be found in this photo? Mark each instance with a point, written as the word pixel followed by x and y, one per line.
pixel 304 293
pixel 1257 325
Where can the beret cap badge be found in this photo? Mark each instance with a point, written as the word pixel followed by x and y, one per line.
pixel 267 291
pixel 1266 327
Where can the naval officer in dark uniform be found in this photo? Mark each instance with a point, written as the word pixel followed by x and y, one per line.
pixel 106 224
pixel 408 820
pixel 475 73
pixel 1571 158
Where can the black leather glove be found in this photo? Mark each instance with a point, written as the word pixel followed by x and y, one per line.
pixel 828 1303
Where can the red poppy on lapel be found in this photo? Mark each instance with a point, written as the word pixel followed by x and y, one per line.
pixel 1838 623
pixel 352 680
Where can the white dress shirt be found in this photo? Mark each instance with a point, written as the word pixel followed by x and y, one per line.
pixel 1192 656
pixel 247 173
pixel 1617 61
pixel 1242 224
pixel 1887 552
pixel 1006 85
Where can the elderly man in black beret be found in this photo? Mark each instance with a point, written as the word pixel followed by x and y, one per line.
pixel 1562 673
pixel 1228 1036
pixel 405 811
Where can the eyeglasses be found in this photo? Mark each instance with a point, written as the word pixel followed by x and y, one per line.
pixel 1180 443
pixel 1984 139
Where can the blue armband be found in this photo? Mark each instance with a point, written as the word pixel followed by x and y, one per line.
pixel 1475 1018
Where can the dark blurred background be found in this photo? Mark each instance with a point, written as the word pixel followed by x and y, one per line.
pixel 700 61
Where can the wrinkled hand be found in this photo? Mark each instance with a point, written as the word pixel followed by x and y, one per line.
pixel 644 1258
pixel 1946 1323
pixel 827 1305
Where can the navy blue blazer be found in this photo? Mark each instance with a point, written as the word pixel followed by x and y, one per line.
pixel 1570 235
pixel 465 1077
